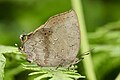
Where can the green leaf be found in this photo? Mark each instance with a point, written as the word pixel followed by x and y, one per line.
pixel 53 73
pixel 13 56
pixel 8 49
pixel 34 73
pixel 43 76
pixel 118 77
pixel 2 65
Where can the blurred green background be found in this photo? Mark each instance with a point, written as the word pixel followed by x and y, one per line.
pixel 102 19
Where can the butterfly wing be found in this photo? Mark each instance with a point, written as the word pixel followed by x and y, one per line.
pixel 56 42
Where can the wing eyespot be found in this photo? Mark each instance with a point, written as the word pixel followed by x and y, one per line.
pixel 45 33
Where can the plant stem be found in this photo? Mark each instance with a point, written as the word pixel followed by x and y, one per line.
pixel 87 62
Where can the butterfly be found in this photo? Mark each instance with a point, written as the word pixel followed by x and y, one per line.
pixel 54 43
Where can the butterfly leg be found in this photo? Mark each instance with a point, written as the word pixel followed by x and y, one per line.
pixel 60 64
pixel 75 61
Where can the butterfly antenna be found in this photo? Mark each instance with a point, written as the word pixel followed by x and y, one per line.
pixel 87 52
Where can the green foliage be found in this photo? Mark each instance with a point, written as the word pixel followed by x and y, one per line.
pixel 2 65
pixel 53 73
pixel 106 57
pixel 8 49
pixel 118 77
pixel 13 59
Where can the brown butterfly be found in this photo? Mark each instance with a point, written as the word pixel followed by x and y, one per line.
pixel 54 43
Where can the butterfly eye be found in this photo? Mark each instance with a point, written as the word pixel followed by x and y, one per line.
pixel 49 31
pixel 23 37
